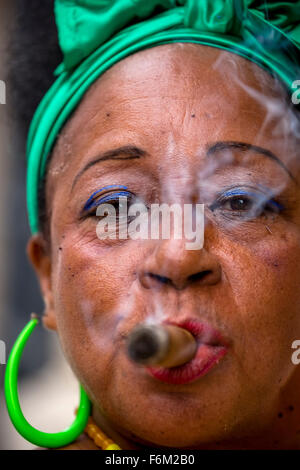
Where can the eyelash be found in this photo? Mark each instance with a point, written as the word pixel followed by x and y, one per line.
pixel 264 204
pixel 112 198
pixel 92 199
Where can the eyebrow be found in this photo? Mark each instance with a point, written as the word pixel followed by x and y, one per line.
pixel 245 147
pixel 126 152
pixel 130 152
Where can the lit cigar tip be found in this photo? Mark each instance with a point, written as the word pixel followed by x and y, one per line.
pixel 144 343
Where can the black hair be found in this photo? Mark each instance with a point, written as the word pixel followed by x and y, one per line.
pixel 32 57
pixel 34 54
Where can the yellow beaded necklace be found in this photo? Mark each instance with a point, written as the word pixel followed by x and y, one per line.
pixel 99 438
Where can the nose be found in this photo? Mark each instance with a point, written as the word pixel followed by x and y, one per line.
pixel 172 264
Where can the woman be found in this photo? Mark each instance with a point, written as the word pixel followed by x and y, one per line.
pixel 174 102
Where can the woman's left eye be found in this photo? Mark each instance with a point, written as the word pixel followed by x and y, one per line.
pixel 240 203
pixel 246 204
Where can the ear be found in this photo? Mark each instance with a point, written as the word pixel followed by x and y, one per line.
pixel 39 256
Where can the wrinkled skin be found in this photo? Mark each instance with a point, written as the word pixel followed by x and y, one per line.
pixel 175 101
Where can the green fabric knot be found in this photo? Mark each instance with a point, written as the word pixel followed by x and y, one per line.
pixel 85 25
pixel 215 15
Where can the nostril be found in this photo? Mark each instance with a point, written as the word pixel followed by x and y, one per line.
pixel 178 284
pixel 161 279
pixel 151 280
pixel 198 276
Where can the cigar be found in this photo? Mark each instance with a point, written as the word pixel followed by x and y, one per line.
pixel 161 345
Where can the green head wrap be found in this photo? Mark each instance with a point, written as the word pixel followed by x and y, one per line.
pixel 95 34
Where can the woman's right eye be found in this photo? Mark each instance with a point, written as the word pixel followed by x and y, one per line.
pixel 118 200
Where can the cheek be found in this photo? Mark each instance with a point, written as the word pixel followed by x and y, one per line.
pixel 264 278
pixel 92 284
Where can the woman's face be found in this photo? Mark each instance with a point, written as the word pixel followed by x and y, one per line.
pixel 186 117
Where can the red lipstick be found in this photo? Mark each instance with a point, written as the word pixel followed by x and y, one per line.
pixel 211 348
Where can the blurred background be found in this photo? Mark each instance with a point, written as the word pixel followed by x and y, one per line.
pixel 47 388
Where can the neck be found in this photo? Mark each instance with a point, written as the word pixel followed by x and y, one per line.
pixel 115 435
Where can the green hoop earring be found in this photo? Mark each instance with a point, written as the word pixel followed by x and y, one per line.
pixel 39 438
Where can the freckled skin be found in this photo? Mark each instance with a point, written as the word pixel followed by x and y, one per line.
pixel 173 101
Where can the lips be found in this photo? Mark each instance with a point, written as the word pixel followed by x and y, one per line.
pixel 211 349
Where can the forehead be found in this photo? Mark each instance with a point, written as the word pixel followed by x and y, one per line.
pixel 177 97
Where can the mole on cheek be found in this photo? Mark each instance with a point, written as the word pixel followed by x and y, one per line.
pixel 71 273
pixel 270 256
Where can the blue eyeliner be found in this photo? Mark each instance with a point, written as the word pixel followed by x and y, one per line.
pixel 279 207
pixel 240 192
pixel 92 203
pixel 110 197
